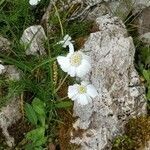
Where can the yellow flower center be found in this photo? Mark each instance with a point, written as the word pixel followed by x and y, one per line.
pixel 76 59
pixel 81 89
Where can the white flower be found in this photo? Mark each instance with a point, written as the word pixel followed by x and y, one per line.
pixel 67 42
pixel 75 64
pixel 83 93
pixel 1 68
pixel 34 2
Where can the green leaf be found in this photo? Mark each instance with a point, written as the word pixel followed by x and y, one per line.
pixel 63 104
pixel 38 106
pixel 36 134
pixel 146 75
pixel 40 141
pixel 30 114
pixel 148 93
pixel 2 1
pixel 42 120
pixel 48 60
pixel 29 146
pixel 37 137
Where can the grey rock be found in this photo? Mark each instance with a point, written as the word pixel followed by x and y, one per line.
pixel 4 45
pixel 143 22
pixel 94 2
pixel 33 39
pixel 9 115
pixel 12 72
pixel 138 5
pixel 121 96
pixel 145 38
pixel 120 8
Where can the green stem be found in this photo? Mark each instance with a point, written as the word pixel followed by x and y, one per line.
pixel 61 27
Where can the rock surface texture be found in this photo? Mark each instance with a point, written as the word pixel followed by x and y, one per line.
pixel 33 40
pixel 121 95
pixel 4 45
pixel 143 25
pixel 93 9
pixel 10 113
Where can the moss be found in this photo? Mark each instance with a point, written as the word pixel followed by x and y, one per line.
pixel 137 134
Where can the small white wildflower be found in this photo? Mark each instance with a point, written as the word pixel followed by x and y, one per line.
pixel 34 2
pixel 1 68
pixel 83 93
pixel 67 42
pixel 75 64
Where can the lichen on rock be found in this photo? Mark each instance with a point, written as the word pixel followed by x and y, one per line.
pixel 121 95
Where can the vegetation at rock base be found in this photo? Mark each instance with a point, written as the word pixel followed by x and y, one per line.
pixel 137 134
pixel 42 107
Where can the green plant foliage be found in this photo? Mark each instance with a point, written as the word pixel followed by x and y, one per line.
pixel 15 16
pixel 137 134
pixel 36 114
pixel 30 114
pixel 146 74
pixel 145 56
pixel 143 66
pixel 64 104
pixel 37 137
pixel 36 83
pixel 122 142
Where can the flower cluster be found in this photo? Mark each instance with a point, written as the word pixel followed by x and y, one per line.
pixel 77 64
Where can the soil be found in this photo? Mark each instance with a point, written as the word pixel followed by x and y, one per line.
pixel 64 130
pixel 18 131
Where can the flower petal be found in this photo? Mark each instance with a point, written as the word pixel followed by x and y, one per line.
pixel 84 83
pixel 88 58
pixel 84 68
pixel 66 41
pixel 91 91
pixel 1 68
pixel 64 63
pixel 71 47
pixel 72 91
pixel 67 37
pixel 82 99
pixel 34 2
pixel 88 98
pixel 72 71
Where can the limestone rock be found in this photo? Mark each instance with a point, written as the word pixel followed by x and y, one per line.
pixel 4 45
pixel 140 4
pixel 33 40
pixel 145 38
pixel 143 21
pixel 9 115
pixel 121 95
pixel 12 72
pixel 116 8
